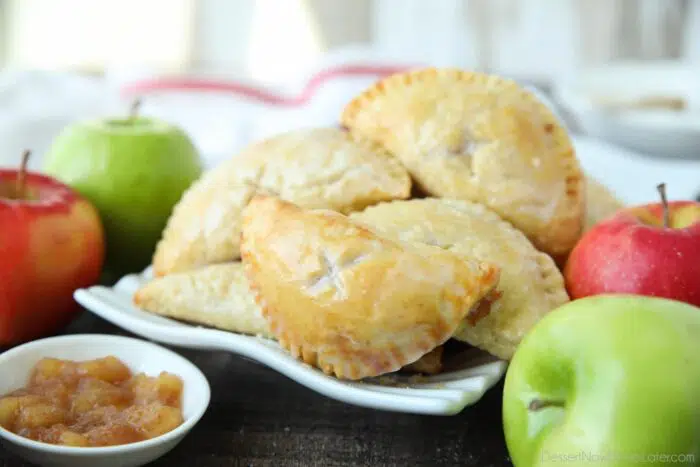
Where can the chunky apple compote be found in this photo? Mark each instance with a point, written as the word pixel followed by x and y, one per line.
pixel 92 403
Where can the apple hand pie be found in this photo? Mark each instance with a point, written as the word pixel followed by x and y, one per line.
pixel 350 302
pixel 530 283
pixel 314 168
pixel 480 138
pixel 217 296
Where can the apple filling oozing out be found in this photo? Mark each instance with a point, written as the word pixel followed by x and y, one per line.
pixel 483 307
pixel 453 351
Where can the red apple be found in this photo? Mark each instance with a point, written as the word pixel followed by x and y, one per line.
pixel 652 250
pixel 51 243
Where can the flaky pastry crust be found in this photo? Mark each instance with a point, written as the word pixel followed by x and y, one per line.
pixel 348 301
pixel 530 284
pixel 217 296
pixel 314 168
pixel 482 138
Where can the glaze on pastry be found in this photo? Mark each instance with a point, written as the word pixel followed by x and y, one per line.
pixel 219 296
pixel 481 138
pixel 348 301
pixel 530 283
pixel 314 168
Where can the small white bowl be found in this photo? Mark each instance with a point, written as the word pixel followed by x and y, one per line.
pixel 139 356
pixel 659 132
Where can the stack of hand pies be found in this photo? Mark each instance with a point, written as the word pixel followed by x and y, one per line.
pixel 438 212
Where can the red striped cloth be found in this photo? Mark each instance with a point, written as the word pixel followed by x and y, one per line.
pixel 223 116
pixel 259 93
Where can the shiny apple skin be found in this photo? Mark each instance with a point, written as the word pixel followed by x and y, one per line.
pixel 626 369
pixel 49 246
pixel 625 255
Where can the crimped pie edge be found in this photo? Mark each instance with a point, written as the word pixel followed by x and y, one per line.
pixel 572 223
pixel 424 344
pixel 551 278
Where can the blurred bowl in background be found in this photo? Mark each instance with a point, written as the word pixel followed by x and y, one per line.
pixel 650 106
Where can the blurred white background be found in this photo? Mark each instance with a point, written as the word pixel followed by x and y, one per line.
pixel 233 71
pixel 274 40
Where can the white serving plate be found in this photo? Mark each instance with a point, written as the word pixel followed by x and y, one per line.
pixel 444 394
pixel 141 357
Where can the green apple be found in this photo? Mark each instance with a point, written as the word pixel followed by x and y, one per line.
pixel 134 170
pixel 610 380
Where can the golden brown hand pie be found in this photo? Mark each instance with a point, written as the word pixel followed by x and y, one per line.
pixel 348 301
pixel 530 283
pixel 601 202
pixel 217 296
pixel 315 168
pixel 481 138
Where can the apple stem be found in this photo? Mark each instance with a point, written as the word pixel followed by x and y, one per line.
pixel 135 107
pixel 539 404
pixel 22 175
pixel 661 187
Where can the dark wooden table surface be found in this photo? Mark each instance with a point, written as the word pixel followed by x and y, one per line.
pixel 260 418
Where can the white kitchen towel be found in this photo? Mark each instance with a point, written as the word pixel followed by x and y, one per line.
pixel 36 105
